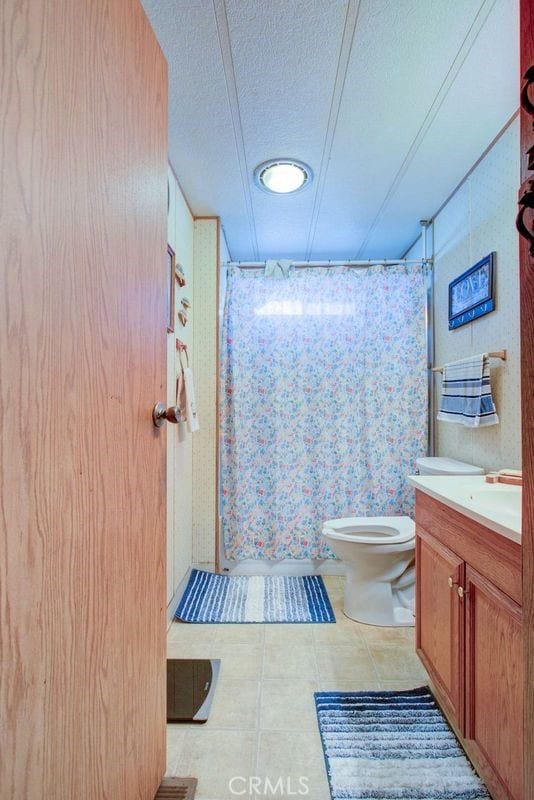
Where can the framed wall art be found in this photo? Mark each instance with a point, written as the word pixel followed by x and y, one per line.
pixel 471 294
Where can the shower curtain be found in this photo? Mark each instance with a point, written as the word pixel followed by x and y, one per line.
pixel 323 403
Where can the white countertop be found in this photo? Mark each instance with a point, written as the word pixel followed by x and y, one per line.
pixel 495 505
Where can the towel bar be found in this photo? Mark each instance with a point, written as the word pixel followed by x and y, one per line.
pixel 497 354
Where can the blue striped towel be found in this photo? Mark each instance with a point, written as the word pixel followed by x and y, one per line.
pixel 466 393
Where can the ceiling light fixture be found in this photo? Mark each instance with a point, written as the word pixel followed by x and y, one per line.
pixel 282 176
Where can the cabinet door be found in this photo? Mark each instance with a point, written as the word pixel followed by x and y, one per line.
pixel 494 680
pixel 83 154
pixel 440 622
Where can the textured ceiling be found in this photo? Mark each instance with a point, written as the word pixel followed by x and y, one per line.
pixel 391 102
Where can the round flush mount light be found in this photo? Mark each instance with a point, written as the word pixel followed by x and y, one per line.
pixel 282 176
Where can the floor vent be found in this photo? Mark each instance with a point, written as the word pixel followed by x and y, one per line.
pixel 177 789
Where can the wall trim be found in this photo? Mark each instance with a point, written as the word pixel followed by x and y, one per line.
pixel 186 201
pixel 466 176
pixel 217 395
pixel 177 596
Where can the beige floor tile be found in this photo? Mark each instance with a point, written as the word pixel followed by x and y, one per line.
pixel 345 662
pixel 289 757
pixel 333 581
pixel 235 705
pixel 239 661
pixel 380 635
pixel 340 633
pixel 175 741
pixel 394 661
pixel 403 683
pixel 335 587
pixel 285 661
pixel 342 619
pixel 288 704
pixel 191 633
pixel 337 602
pixel 189 650
pixel 250 634
pixel 290 634
pixel 409 635
pixel 340 685
pixel 215 757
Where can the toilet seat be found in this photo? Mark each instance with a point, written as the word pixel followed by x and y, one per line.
pixel 371 530
pixel 378 554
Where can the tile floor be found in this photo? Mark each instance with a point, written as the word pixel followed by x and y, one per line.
pixel 263 720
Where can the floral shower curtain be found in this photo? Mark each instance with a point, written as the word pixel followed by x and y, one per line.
pixel 324 403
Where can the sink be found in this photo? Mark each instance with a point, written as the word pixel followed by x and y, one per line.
pixel 495 505
pixel 497 497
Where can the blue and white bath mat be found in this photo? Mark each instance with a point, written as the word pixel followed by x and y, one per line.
pixel 242 598
pixel 392 745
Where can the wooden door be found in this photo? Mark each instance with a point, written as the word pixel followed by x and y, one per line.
pixel 439 621
pixel 494 681
pixel 527 398
pixel 82 354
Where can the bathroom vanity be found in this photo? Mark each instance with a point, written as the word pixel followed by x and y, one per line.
pixel 468 609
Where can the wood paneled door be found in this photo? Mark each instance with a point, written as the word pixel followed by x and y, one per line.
pixel 83 191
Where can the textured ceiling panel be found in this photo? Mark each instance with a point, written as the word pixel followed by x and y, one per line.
pixel 480 91
pixel 202 145
pixel 402 53
pixel 285 58
pixel 389 101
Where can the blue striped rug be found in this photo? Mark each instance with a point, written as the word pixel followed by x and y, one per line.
pixel 242 598
pixel 392 746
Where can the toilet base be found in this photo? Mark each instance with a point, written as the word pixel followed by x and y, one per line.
pixel 379 602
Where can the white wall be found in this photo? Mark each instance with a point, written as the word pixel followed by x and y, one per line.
pixel 478 219
pixel 179 441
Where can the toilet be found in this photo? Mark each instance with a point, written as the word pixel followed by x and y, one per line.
pixel 379 557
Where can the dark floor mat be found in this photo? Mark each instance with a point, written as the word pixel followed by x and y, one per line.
pixel 177 789
pixel 190 688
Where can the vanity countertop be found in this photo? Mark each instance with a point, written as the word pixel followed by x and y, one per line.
pixel 495 505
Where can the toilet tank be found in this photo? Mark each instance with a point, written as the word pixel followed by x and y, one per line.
pixel 438 465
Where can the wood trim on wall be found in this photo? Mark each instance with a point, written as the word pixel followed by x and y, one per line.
pixel 217 397
pixel 217 389
pixel 527 418
pixel 205 348
pixel 186 201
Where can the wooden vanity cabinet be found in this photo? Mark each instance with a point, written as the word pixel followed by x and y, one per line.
pixel 440 623
pixel 469 637
pixel 494 679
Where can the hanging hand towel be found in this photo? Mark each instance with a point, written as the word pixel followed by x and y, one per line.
pixel 181 399
pixel 190 404
pixel 277 269
pixel 466 393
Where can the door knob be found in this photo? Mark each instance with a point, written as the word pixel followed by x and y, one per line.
pixel 160 414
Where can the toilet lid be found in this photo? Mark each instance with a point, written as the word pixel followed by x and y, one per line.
pixel 371 530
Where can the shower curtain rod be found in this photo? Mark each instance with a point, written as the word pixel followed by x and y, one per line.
pixel 383 262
